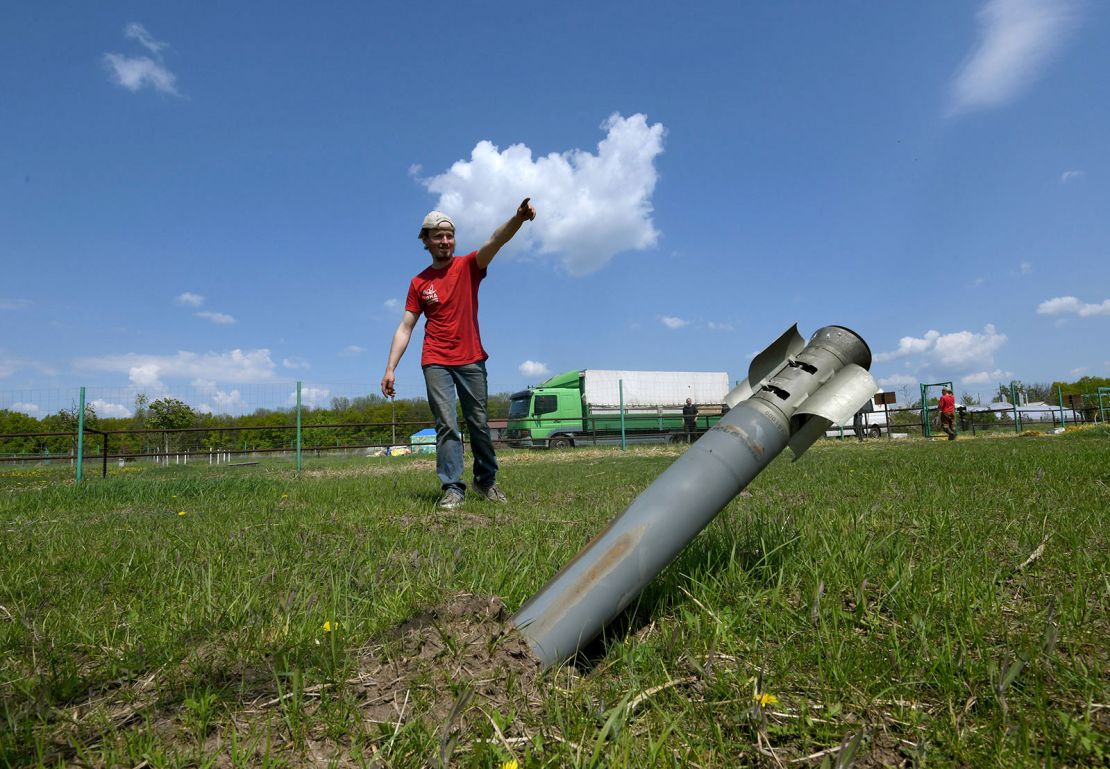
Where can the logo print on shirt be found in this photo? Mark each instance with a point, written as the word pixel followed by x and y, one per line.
pixel 429 295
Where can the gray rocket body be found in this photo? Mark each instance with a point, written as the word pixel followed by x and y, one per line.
pixel 612 570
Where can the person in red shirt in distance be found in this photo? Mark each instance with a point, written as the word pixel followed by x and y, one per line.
pixel 453 359
pixel 947 407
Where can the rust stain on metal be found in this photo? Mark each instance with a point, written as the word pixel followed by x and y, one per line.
pixel 601 565
pixel 754 446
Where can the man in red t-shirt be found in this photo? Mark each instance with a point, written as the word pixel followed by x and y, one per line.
pixel 947 407
pixel 453 359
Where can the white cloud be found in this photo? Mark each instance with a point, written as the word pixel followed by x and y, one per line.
pixel 986 377
pixel 713 326
pixel 150 371
pixel 1071 304
pixel 10 364
pixel 110 410
pixel 30 409
pixel 1016 42
pixel 294 363
pixel 391 304
pixel 1025 268
pixel 137 72
pixel 136 31
pixel 1079 371
pixel 533 368
pixel 145 375
pixel 1068 176
pixel 909 345
pixel 898 380
pixel 228 400
pixel 218 318
pixel 955 350
pixel 14 304
pixel 222 401
pixel 965 347
pixel 670 321
pixel 310 396
pixel 589 206
pixel 352 350
pixel 189 299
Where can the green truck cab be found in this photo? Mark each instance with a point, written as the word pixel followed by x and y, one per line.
pixel 588 407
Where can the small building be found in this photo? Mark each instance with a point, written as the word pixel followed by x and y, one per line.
pixel 423 441
pixel 497 429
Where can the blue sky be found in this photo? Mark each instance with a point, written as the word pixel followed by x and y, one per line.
pixel 202 198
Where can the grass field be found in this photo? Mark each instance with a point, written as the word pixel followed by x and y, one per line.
pixel 906 603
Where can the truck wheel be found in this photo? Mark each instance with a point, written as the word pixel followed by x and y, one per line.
pixel 876 431
pixel 560 442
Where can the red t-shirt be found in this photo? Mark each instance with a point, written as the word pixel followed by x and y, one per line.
pixel 448 297
pixel 947 404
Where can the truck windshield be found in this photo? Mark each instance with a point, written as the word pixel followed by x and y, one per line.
pixel 518 408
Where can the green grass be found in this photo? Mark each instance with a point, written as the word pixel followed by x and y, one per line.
pixel 878 591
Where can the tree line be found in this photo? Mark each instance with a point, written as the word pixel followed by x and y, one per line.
pixel 154 427
pixel 380 421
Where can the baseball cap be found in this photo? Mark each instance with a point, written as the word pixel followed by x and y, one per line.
pixel 433 220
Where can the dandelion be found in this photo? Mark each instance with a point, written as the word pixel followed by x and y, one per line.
pixel 330 626
pixel 764 699
pixel 510 764
pixel 181 512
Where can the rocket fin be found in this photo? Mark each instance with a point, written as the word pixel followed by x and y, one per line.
pixel 767 363
pixel 837 400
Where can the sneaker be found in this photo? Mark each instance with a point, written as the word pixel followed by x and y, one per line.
pixel 451 499
pixel 492 494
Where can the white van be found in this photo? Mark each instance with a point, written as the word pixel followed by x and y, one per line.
pixel 874 424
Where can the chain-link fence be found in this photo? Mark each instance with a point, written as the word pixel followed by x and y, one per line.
pixel 289 422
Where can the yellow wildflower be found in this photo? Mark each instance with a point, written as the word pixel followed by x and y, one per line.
pixel 181 512
pixel 330 626
pixel 510 764
pixel 766 699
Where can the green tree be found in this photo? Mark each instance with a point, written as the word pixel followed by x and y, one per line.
pixel 18 422
pixel 1040 391
pixel 170 414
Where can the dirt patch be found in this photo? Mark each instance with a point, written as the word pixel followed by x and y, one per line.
pixel 463 650
pixel 450 670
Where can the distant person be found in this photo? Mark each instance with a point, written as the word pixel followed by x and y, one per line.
pixel 453 358
pixel 857 425
pixel 690 420
pixel 947 408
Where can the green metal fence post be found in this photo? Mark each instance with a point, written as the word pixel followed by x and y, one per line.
pixel 926 428
pixel 298 427
pixel 1013 400
pixel 1060 392
pixel 81 438
pixel 620 389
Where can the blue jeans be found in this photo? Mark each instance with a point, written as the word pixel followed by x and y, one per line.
pixel 470 382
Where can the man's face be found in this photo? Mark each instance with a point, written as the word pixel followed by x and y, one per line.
pixel 441 243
